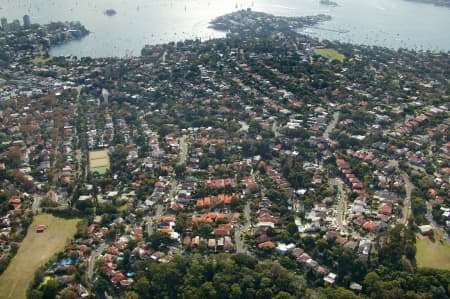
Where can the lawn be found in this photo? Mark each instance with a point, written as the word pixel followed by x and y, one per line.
pixel 34 251
pixel 432 254
pixel 99 161
pixel 41 60
pixel 330 54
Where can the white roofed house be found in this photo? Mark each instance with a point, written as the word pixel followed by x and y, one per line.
pixel 330 278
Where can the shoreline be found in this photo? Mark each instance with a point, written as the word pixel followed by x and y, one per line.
pixel 314 22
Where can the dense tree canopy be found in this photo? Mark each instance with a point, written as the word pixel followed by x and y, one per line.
pixel 240 276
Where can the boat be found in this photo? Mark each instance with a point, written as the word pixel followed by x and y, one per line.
pixel 110 12
pixel 328 2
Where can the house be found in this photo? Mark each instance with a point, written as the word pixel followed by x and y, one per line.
pixel 157 255
pixel 303 258
pixel 426 229
pixel 296 252
pixel 282 248
pixel 265 224
pixel 228 244
pixel 14 200
pixel 267 244
pixel 195 241
pixel 386 208
pixel 371 225
pixel 330 278
pixel 5 231
pixel 211 243
pixel 117 277
pixel 321 270
pixel 262 238
pixel 113 250
pixel 126 282
pixel 335 235
pixel 356 287
pixel 41 228
pixel 81 290
pixel 364 250
pixel 221 232
pixel 351 245
pixel 312 263
pixel 187 241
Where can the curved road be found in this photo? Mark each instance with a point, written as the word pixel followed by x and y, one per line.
pixel 406 212
pixel 342 204
pixel 93 258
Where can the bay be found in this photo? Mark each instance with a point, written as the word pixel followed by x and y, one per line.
pixel 390 23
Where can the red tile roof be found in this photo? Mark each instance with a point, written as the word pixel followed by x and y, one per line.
pixel 267 244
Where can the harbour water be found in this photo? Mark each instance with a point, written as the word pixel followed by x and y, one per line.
pixel 390 23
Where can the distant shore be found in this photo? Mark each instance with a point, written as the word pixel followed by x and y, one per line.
pixel 445 3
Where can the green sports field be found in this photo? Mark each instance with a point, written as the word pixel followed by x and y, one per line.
pixel 34 251
pixel 433 254
pixel 99 161
pixel 331 54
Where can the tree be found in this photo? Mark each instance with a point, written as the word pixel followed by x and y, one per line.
pixel 158 238
pixel 292 228
pixel 101 285
pixel 118 157
pixel 68 293
pixel 340 293
pixel 50 289
pixel 142 287
pixel 244 260
pixel 36 294
pixel 204 229
pixel 371 282
pixel 264 293
pixel 13 157
pixel 419 209
pixel 410 251
pixel 131 295
pixel 179 170
pixel 283 295
pixel 236 292
pixel 208 291
pixel 425 182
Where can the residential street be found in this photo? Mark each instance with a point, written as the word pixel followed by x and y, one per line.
pixel 406 212
pixel 241 230
pixel 94 256
pixel 275 129
pixel 331 126
pixel 342 204
pixel 407 202
pixel 183 150
pixel 151 219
